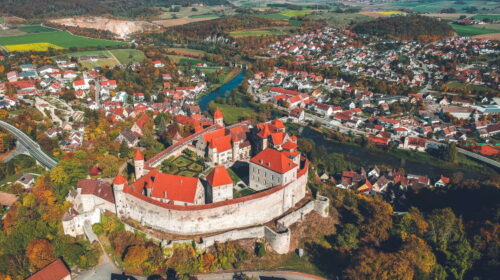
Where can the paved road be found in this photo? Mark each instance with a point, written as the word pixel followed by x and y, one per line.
pixel 288 275
pixel 31 146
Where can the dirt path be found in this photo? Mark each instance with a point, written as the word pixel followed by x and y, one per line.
pixel 114 57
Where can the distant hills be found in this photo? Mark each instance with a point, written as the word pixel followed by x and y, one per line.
pixel 37 9
pixel 406 28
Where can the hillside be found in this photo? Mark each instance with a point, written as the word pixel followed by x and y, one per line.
pixel 406 28
pixel 62 8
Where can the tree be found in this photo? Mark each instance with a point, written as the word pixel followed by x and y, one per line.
pixel 136 255
pixel 40 252
pixel 347 237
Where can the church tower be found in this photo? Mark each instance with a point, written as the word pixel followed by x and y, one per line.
pixel 138 164
pixel 218 117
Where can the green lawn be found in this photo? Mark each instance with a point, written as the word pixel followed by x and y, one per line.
pixel 437 6
pixel 233 114
pixel 128 56
pixel 182 161
pixel 59 38
pixel 491 17
pixel 233 175
pixel 468 30
pixel 211 15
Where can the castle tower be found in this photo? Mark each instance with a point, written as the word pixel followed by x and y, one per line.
pixel 236 148
pixel 138 164
pixel 118 185
pixel 218 117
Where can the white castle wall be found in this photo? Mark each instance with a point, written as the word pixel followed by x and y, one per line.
pixel 296 216
pixel 215 217
pixel 279 241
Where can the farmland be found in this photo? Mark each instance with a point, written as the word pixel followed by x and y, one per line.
pixel 436 7
pixel 128 56
pixel 113 57
pixel 40 47
pixel 467 30
pixel 59 39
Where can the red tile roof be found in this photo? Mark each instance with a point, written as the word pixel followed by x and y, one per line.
pixel 218 114
pixel 57 270
pixel 278 138
pixel 277 123
pixel 119 179
pixel 264 131
pixel 176 188
pixel 138 154
pixel 219 177
pixel 274 160
pixel 221 144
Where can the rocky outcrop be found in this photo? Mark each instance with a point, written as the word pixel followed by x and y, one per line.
pixel 122 28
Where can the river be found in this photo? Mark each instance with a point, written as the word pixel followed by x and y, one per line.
pixel 366 157
pixel 221 91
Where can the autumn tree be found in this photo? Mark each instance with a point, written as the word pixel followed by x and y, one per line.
pixel 40 252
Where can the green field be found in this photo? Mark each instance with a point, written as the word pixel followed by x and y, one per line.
pixel 340 20
pixel 436 7
pixel 128 56
pixel 233 114
pixel 61 39
pixel 36 29
pixel 286 14
pixel 211 15
pixel 255 32
pixel 468 30
pixel 491 17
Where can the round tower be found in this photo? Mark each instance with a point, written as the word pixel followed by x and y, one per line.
pixel 118 185
pixel 218 117
pixel 138 164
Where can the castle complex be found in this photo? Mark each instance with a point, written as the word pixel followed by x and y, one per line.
pixel 205 205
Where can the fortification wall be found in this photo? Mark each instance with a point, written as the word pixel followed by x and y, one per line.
pixel 221 217
pixel 296 216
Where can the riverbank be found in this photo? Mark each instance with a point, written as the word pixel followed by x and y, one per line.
pixel 413 162
pixel 221 91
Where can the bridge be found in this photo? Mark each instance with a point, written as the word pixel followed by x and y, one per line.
pixel 29 146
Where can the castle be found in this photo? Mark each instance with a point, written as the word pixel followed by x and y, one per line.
pixel 205 205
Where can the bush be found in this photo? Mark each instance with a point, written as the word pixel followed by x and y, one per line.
pixel 260 249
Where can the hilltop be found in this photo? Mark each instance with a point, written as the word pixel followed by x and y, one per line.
pixel 406 28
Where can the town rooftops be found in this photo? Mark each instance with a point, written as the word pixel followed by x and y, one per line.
pixel 219 177
pixel 273 160
pixel 57 270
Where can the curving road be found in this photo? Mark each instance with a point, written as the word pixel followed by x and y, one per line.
pixel 31 146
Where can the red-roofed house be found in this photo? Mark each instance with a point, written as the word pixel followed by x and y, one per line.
pixel 271 168
pixel 56 270
pixel 220 184
pixel 168 188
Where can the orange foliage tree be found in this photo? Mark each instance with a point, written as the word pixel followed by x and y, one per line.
pixel 40 253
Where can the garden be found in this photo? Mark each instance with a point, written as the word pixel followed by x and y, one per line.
pixel 188 164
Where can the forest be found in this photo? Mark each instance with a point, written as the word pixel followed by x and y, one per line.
pixel 406 28
pixel 61 8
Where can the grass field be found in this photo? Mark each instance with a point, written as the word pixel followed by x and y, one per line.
pixel 436 7
pixel 128 56
pixel 204 16
pixel 36 29
pixel 255 32
pixel 60 39
pixel 491 17
pixel 340 20
pixel 233 114
pixel 467 30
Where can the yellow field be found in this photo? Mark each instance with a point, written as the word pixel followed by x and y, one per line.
pixel 38 47
pixel 390 13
